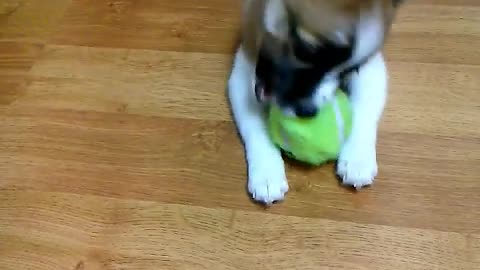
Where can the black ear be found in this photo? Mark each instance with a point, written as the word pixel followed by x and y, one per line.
pixel 396 3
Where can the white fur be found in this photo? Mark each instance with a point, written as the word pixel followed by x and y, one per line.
pixel 275 19
pixel 340 37
pixel 369 33
pixel 357 164
pixel 267 181
pixel 325 90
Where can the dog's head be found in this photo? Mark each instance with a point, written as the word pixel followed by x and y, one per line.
pixel 308 45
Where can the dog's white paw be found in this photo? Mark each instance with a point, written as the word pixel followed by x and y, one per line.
pixel 357 165
pixel 267 182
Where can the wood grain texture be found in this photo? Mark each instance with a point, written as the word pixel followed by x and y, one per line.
pixel 185 25
pixel 117 149
pixel 102 233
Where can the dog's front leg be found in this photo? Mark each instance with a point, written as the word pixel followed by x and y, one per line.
pixel 267 182
pixel 357 164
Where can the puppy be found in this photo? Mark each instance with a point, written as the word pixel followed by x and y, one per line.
pixel 295 53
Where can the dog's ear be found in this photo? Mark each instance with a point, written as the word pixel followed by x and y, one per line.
pixel 276 18
pixel 396 3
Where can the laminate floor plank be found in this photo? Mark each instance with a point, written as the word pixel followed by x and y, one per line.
pixel 99 233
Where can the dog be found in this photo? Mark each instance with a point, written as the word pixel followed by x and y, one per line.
pixel 295 54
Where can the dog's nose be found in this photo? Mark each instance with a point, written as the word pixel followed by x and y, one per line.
pixel 306 111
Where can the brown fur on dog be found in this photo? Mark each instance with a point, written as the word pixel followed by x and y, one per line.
pixel 314 17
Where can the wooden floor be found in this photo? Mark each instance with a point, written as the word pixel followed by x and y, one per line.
pixel 117 150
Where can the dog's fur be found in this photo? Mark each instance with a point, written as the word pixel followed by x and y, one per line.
pixel 295 53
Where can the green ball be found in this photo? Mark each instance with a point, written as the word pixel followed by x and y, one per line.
pixel 313 140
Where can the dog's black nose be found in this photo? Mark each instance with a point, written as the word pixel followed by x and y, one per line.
pixel 306 111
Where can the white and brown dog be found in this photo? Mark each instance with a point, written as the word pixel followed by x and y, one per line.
pixel 296 53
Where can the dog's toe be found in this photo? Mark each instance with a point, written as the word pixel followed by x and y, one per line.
pixel 267 182
pixel 357 167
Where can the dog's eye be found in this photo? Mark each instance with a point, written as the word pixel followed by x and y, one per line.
pixel 304 45
pixel 304 51
pixel 308 39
